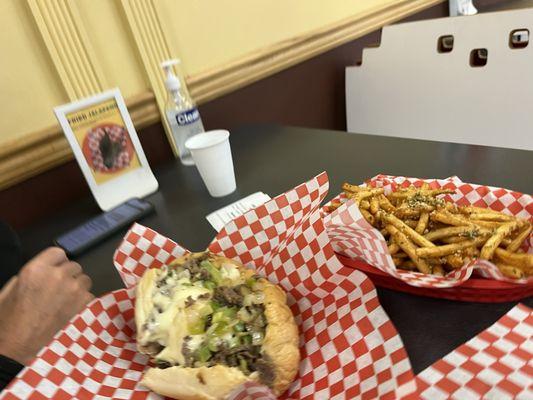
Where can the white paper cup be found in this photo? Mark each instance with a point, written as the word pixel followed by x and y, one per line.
pixel 211 153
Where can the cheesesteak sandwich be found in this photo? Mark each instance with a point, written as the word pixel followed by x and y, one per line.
pixel 209 324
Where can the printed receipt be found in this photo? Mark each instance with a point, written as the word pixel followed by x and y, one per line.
pixel 221 217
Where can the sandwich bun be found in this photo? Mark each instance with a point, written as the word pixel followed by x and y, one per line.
pixel 210 325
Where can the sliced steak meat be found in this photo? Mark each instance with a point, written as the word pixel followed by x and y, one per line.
pixel 228 296
pixel 189 301
pixel 153 348
pixel 162 364
pixel 264 366
pixel 231 357
pixel 187 352
pixel 195 269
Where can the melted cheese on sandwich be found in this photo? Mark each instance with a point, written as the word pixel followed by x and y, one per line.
pixel 167 319
pixel 167 323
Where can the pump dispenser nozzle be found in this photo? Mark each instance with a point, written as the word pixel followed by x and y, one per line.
pixel 172 82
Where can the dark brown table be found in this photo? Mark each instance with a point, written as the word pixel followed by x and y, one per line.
pixel 273 159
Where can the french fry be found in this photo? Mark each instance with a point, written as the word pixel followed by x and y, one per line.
pixel 437 192
pixel 475 210
pixel 487 224
pixel 410 191
pixel 454 239
pixel 407 265
pixel 438 270
pixel 420 206
pixel 465 231
pixel 365 193
pixel 411 223
pixel 510 271
pixel 364 204
pixel 401 254
pixel 519 239
pixel 522 260
pixel 408 246
pixel 369 217
pixel 410 232
pixel 499 217
pixel 351 188
pixel 447 249
pixel 397 261
pixel 455 261
pixel 393 247
pixel 422 223
pixel 407 212
pixel 488 249
pixel 436 261
pixel 451 208
pixel 471 252
pixel 448 218
pixel 385 203
pixel 402 193
pixel 459 239
pixel 374 205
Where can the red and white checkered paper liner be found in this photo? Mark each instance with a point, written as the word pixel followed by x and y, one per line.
pixel 353 237
pixel 349 347
pixel 117 134
pixel 496 364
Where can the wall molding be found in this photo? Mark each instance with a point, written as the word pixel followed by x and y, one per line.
pixel 153 48
pixel 62 30
pixel 36 152
pixel 216 82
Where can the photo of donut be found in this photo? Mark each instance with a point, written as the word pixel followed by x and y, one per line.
pixel 108 148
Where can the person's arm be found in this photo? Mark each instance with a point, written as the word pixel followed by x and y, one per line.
pixel 35 304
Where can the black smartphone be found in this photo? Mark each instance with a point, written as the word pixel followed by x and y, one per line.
pixel 94 231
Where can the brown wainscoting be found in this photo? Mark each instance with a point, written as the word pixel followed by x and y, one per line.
pixel 308 94
pixel 500 5
pixel 40 195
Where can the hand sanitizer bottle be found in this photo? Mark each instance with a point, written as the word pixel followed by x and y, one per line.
pixel 181 112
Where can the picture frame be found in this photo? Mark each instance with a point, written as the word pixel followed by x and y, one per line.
pixel 103 139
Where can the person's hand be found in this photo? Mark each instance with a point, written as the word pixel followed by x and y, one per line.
pixel 39 301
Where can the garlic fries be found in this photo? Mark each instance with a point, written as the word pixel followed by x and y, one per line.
pixel 426 233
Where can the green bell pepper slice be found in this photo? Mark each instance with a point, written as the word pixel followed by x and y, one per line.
pixel 197 327
pixel 203 354
pixel 239 327
pixel 213 271
pixel 243 366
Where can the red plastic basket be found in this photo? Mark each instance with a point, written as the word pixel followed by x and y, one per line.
pixel 474 289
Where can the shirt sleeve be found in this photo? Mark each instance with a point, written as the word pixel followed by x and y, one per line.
pixel 8 370
pixel 11 255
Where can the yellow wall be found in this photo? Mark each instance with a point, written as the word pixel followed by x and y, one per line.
pixel 113 44
pixel 29 85
pixel 208 33
pixel 205 34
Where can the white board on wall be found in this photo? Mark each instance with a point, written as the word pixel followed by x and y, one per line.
pixel 406 88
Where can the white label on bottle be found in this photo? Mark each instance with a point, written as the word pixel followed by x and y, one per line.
pixel 185 125
pixel 218 219
pixel 187 117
